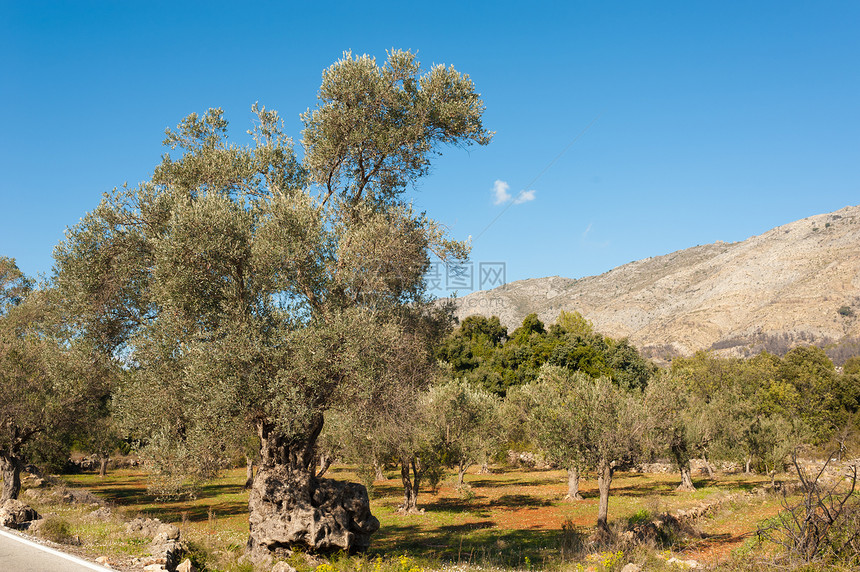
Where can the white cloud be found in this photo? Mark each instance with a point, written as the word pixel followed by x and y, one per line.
pixel 502 196
pixel 525 196
pixel 500 188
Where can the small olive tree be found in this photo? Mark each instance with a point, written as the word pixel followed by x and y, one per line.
pixel 543 413
pixel 464 423
pixel 671 419
pixel 584 422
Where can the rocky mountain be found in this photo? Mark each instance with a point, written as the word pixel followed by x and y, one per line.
pixel 797 283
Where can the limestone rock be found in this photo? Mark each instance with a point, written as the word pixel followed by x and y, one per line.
pixel 101 513
pixel 143 526
pixel 631 568
pixel 326 516
pixel 165 533
pixel 14 514
pixel 687 564
pixel 282 567
pixel 186 566
pixel 167 547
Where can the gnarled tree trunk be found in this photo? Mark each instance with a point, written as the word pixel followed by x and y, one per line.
pixel 290 507
pixel 573 484
pixel 325 463
pixel 11 465
pixel 604 480
pixel 686 479
pixel 103 463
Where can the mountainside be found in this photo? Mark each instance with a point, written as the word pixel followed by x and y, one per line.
pixel 797 283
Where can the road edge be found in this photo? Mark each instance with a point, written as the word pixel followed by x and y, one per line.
pixel 69 557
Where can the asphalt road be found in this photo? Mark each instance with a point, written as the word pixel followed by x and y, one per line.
pixel 19 554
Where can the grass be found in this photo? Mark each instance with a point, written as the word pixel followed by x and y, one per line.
pixel 509 520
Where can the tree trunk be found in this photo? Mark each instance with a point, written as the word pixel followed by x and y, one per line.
pixel 682 459
pixel 604 480
pixel 103 463
pixel 461 473
pixel 291 508
pixel 411 483
pixel 708 466
pixel 747 467
pixel 379 468
pixel 249 472
pixel 686 479
pixel 573 484
pixel 325 463
pixel 11 466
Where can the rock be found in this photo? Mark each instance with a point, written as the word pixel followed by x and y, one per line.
pixel 286 512
pixel 33 494
pixel 81 496
pixel 33 482
pixel 282 567
pixel 143 526
pixel 187 566
pixel 14 514
pixel 631 568
pixel 155 568
pixel 689 564
pixel 101 513
pixel 165 533
pixel 167 547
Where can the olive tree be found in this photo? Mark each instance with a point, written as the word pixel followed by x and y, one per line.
pixel 613 424
pixel 250 290
pixel 48 381
pixel 543 412
pixel 670 410
pixel 583 423
pixel 464 421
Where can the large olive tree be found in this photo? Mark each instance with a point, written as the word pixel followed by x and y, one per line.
pixel 251 290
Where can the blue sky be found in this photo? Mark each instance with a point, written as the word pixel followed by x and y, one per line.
pixel 636 128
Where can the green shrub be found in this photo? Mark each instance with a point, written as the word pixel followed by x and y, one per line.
pixel 55 529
